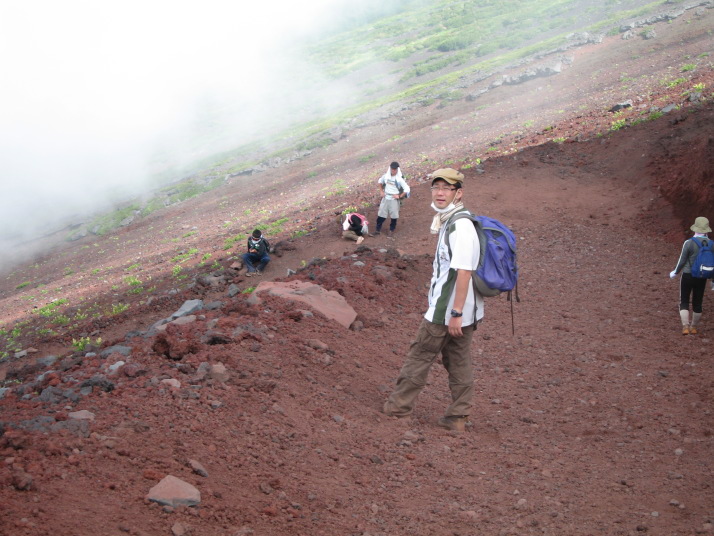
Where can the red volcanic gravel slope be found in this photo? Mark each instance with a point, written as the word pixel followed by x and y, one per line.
pixel 595 418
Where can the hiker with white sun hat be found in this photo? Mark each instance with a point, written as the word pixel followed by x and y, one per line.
pixel 696 263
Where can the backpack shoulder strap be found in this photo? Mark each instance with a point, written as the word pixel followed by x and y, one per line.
pixel 458 216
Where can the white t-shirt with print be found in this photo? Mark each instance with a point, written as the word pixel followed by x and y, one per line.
pixel 464 245
pixel 390 183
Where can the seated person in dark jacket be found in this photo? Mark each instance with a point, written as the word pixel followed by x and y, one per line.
pixel 258 248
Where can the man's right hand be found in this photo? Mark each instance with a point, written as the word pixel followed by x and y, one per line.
pixel 455 327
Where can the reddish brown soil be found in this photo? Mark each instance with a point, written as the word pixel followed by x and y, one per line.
pixel 593 419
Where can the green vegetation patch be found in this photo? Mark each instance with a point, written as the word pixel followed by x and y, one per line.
pixel 151 206
pixel 231 242
pixel 675 82
pixel 9 338
pixel 338 187
pixel 50 309
pixel 118 308
pixel 108 222
pixel 190 188
pixel 183 257
pixel 82 343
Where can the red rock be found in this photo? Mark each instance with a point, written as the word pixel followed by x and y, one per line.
pixel 152 474
pixel 181 321
pixel 174 492
pixel 178 529
pixel 197 467
pixel 219 372
pixel 172 383
pixel 271 510
pixel 131 370
pixel 52 449
pixel 21 480
pixel 82 415
pixel 317 344
pixel 327 302
pixel 15 439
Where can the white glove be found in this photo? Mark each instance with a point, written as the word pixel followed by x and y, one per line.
pixel 672 274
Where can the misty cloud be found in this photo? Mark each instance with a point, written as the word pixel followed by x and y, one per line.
pixel 94 92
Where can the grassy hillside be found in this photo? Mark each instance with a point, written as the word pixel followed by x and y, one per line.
pixel 424 45
pixel 410 52
pixel 448 33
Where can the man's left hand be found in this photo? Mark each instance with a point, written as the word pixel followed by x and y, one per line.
pixel 455 327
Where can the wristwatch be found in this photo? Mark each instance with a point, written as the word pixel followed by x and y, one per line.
pixel 456 313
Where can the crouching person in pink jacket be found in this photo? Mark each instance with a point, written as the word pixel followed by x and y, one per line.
pixel 355 227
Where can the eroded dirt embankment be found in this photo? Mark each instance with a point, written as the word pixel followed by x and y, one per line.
pixel 684 167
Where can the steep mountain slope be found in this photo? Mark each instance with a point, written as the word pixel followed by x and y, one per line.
pixel 593 419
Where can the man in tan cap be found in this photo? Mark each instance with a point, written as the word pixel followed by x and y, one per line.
pixel 693 282
pixel 454 309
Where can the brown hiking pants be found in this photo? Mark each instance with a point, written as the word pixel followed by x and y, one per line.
pixel 350 235
pixel 431 340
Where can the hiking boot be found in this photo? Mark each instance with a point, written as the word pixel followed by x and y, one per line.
pixel 453 423
pixel 377 233
pixel 692 330
pixel 257 272
pixel 388 410
pixel 685 330
pixel 250 274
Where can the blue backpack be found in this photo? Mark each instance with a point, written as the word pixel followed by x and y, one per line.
pixel 497 270
pixel 703 265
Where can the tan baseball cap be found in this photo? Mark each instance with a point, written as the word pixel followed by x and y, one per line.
pixel 449 175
